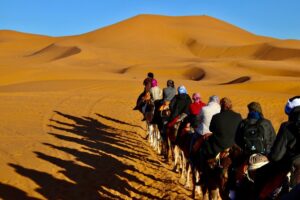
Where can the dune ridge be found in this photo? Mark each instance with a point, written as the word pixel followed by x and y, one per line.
pixel 55 52
pixel 264 51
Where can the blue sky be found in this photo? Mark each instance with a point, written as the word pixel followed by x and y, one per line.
pixel 276 18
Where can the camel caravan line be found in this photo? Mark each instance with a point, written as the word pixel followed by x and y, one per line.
pixel 217 153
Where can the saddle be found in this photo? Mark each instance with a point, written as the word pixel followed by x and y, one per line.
pixel 146 97
pixel 165 106
pixel 216 161
pixel 165 109
pixel 172 130
pixel 200 140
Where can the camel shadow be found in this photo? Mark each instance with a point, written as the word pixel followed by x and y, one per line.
pixel 118 121
pixel 101 166
pixel 11 192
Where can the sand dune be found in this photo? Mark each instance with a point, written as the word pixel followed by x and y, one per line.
pixel 55 52
pixel 262 51
pixel 67 126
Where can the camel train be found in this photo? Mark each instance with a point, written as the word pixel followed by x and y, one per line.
pixel 216 152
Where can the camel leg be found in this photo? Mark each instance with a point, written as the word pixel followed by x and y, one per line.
pixel 154 138
pixel 176 158
pixel 198 188
pixel 193 182
pixel 159 142
pixel 151 135
pixel 184 166
pixel 188 176
pixel 213 194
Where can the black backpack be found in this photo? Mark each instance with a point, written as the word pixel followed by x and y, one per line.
pixel 253 137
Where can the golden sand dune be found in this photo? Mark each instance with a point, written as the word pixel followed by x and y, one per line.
pixel 55 52
pixel 262 51
pixel 67 126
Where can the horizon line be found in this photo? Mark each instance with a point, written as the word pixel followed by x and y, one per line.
pixel 145 14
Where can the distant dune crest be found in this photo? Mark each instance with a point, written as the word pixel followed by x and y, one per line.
pixel 198 48
pixel 55 52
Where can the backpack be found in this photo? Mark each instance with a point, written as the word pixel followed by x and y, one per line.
pixel 253 137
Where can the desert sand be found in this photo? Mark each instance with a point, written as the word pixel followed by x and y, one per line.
pixel 67 127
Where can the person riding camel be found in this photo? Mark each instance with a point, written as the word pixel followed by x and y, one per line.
pixel 224 126
pixel 155 91
pixel 255 135
pixel 145 95
pixel 205 116
pixel 286 148
pixel 148 82
pixel 155 102
pixel 179 105
pixel 285 153
pixel 194 110
pixel 169 92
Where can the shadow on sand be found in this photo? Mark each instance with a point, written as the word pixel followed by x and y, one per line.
pixel 97 171
pixel 118 121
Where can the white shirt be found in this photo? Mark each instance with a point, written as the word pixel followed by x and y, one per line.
pixel 156 93
pixel 206 115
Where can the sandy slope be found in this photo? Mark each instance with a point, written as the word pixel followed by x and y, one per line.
pixel 67 126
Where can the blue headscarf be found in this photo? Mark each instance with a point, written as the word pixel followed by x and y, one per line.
pixel 254 115
pixel 181 90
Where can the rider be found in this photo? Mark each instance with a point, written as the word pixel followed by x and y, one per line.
pixel 155 91
pixel 286 148
pixel 169 92
pixel 205 116
pixel 262 132
pixel 195 119
pixel 148 81
pixel 207 112
pixel 223 126
pixel 179 105
pixel 140 103
pixel 195 109
pixel 284 155
pixel 255 135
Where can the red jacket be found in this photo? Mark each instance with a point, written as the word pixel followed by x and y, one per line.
pixel 196 107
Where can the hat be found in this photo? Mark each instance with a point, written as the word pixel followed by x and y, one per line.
pixel 257 161
pixel 254 106
pixel 154 83
pixel 181 90
pixel 291 104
